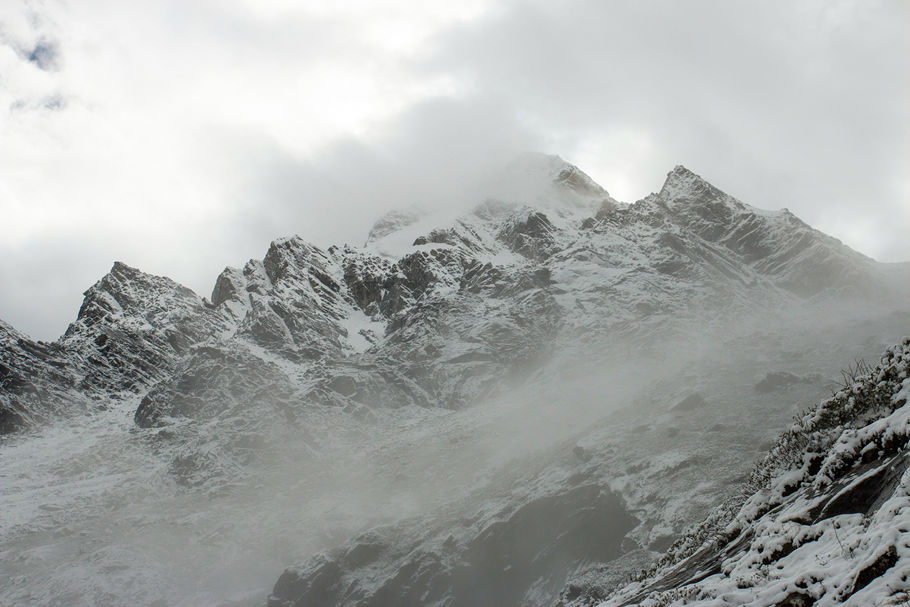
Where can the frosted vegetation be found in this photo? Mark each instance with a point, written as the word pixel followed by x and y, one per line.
pixel 824 518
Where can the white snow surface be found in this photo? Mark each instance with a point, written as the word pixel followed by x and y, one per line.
pixel 362 330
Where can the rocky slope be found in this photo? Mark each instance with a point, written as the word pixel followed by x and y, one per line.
pixel 661 462
pixel 35 379
pixel 823 520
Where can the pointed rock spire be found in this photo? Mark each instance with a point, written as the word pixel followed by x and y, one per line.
pixel 684 185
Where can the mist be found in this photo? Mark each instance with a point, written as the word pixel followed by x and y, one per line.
pixel 92 506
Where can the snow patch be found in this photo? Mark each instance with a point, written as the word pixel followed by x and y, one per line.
pixel 362 331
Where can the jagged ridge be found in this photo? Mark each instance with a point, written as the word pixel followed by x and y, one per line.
pixel 457 309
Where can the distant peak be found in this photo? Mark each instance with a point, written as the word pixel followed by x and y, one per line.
pixel 121 269
pixel 123 277
pixel 290 253
pixel 290 245
pixel 575 179
pixel 540 168
pixel 682 184
pixel 125 289
pixel 394 221
pixel 681 174
pixel 545 180
pixel 684 189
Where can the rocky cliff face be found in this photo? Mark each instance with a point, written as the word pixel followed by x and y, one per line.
pixel 35 379
pixel 307 344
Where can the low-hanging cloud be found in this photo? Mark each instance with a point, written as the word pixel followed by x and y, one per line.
pixel 800 105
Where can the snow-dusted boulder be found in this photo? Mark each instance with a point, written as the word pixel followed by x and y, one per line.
pixel 824 519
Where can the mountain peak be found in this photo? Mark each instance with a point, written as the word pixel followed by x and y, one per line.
pixel 686 191
pixel 394 221
pixel 534 177
pixel 125 289
pixel 683 183
pixel 122 272
pixel 538 163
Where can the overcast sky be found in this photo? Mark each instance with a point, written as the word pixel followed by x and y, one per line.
pixel 182 136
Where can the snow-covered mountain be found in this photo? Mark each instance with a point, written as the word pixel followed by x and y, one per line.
pixel 481 374
pixel 483 295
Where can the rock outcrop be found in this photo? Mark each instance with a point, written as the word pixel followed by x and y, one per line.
pixel 822 521
pixel 510 557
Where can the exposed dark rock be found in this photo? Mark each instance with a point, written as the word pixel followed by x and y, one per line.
pixel 690 403
pixel 228 286
pixel 797 599
pixel 866 492
pixel 531 236
pixel 885 561
pixel 780 380
pixel 574 178
pixel 317 585
pixel 215 382
pixel 579 452
pixel 540 543
pixel 374 285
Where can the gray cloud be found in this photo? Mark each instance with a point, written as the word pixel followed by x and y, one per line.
pixel 45 54
pixel 433 156
pixel 784 104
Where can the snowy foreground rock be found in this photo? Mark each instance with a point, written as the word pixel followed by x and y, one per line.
pixel 537 395
pixel 824 519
